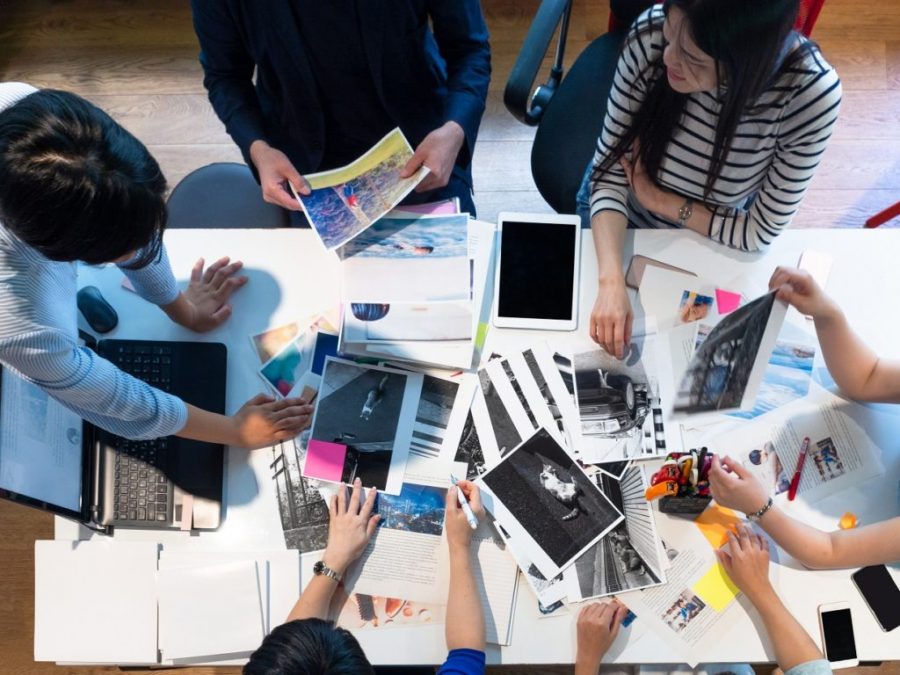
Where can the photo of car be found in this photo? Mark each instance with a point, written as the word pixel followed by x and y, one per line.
pixel 611 404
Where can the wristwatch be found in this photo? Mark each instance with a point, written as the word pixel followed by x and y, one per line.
pixel 754 517
pixel 685 212
pixel 321 569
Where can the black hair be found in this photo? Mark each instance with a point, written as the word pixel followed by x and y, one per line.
pixel 74 185
pixel 309 647
pixel 747 42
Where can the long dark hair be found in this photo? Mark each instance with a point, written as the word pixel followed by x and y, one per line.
pixel 75 185
pixel 309 647
pixel 747 41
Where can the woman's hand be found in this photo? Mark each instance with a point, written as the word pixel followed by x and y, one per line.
pixel 598 626
pixel 350 526
pixel 459 532
pixel 733 487
pixel 747 562
pixel 612 317
pixel 648 193
pixel 275 171
pixel 799 289
pixel 204 303
pixel 263 421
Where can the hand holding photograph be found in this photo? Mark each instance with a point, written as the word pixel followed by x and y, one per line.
pixel 726 370
pixel 543 498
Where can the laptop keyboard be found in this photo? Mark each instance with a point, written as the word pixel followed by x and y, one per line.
pixel 141 486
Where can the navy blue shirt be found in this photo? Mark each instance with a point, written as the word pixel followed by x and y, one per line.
pixel 463 662
pixel 354 115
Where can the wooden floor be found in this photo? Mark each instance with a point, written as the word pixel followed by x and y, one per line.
pixel 137 59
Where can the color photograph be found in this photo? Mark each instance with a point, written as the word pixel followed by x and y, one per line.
pixel 346 201
pixel 269 342
pixel 694 307
pixel 826 459
pixel 411 238
pixel 786 378
pixel 551 499
pixel 407 322
pixel 418 508
pixel 284 370
pixel 683 611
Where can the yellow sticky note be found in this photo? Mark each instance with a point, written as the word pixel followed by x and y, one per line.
pixel 716 588
pixel 715 523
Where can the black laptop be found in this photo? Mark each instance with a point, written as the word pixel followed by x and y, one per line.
pixel 53 460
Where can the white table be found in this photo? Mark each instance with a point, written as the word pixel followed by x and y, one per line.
pixel 292 277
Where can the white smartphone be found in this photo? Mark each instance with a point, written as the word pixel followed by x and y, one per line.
pixel 838 641
pixel 537 271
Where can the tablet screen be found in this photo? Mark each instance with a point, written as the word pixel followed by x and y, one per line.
pixel 537 273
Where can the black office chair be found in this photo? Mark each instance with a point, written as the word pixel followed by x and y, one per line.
pixel 568 110
pixel 222 195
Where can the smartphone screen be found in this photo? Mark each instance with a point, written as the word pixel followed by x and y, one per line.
pixel 837 627
pixel 881 593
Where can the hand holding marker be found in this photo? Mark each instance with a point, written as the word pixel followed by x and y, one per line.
pixel 473 521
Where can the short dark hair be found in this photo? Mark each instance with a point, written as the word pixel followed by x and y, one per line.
pixel 309 647
pixel 75 185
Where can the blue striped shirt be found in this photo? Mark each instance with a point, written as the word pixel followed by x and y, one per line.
pixel 39 330
pixel 774 154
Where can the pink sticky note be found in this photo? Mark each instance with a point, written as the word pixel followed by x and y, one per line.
pixel 187 512
pixel 324 460
pixel 726 301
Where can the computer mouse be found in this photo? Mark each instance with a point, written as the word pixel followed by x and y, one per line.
pixel 96 310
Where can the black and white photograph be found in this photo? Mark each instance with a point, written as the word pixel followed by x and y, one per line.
pixel 628 558
pixel 433 416
pixel 614 401
pixel 520 395
pixel 470 451
pixel 548 592
pixel 498 418
pixel 371 411
pixel 544 389
pixel 304 512
pixel 542 497
pixel 726 369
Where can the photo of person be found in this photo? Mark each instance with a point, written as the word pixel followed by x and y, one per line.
pixel 826 460
pixel 765 464
pixel 551 499
pixel 719 372
pixel 685 609
pixel 418 508
pixel 411 237
pixel 694 307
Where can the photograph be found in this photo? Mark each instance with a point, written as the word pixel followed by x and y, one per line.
pixel 411 238
pixel 614 400
pixel 826 459
pixel 284 370
pixel 694 307
pixel 627 558
pixel 370 411
pixel 548 592
pixel 407 321
pixel 345 201
pixel 683 611
pixel 549 496
pixel 765 464
pixel 304 513
pixel 544 388
pixel 499 420
pixel 520 395
pixel 720 375
pixel 367 612
pixel 470 451
pixel 418 508
pixel 785 379
pixel 269 342
pixel 433 415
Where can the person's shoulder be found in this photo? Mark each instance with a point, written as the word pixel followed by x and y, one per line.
pixel 13 92
pixel 464 662
pixel 817 667
pixel 644 41
pixel 807 68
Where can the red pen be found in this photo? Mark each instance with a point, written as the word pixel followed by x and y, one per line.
pixel 795 481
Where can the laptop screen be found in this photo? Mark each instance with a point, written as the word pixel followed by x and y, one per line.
pixel 40 445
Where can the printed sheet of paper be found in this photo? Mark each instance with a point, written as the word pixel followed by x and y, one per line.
pixel 548 592
pixel 674 298
pixel 344 202
pixel 303 510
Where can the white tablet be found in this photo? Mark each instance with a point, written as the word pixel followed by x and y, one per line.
pixel 536 284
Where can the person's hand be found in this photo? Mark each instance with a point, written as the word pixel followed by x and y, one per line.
pixel 612 317
pixel 747 562
pixel 438 151
pixel 204 303
pixel 263 421
pixel 648 193
pixel 597 628
pixel 351 524
pixel 733 487
pixel 799 289
pixel 459 532
pixel 275 170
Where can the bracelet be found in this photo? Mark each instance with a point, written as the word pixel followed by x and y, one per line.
pixel 754 517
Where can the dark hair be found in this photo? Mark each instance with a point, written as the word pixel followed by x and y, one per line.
pixel 309 647
pixel 755 457
pixel 75 185
pixel 746 40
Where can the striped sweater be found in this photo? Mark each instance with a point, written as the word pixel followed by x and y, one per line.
pixel 773 157
pixel 39 329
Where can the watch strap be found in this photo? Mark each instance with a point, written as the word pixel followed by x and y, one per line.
pixel 324 570
pixel 685 212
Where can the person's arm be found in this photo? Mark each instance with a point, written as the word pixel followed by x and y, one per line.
pixel 734 487
pixel 465 616
pixel 598 626
pixel 260 422
pixel 350 527
pixel 612 315
pixel 858 370
pixel 747 563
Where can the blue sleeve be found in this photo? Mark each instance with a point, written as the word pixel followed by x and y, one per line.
pixel 817 667
pixel 228 72
pixel 155 282
pixel 462 38
pixel 468 662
